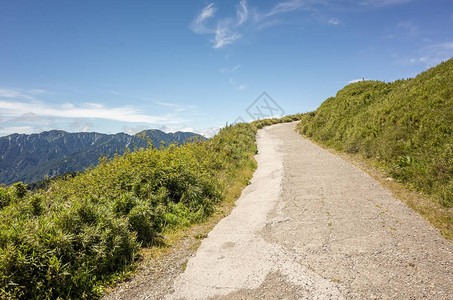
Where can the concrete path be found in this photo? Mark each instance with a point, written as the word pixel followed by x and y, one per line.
pixel 313 226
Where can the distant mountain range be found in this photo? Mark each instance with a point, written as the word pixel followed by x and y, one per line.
pixel 31 158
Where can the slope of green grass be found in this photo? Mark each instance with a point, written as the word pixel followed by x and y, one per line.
pixel 67 240
pixel 405 126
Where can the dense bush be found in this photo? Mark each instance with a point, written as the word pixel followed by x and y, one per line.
pixel 66 240
pixel 406 126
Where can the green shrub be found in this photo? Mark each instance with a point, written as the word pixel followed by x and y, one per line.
pixel 5 198
pixel 65 241
pixel 19 190
pixel 146 221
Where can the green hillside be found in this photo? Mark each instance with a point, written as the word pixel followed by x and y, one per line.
pixel 66 241
pixel 405 126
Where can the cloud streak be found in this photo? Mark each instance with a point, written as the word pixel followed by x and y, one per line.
pixel 16 129
pixel 21 111
pixel 198 25
pixel 242 12
pixel 206 132
pixel 357 80
pixel 381 3
pixel 17 94
pixel 284 7
pixel 230 70
pixel 228 30
pixel 334 21
pixel 434 54
pixel 128 114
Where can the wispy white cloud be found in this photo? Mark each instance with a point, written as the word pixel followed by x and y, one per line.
pixel 198 25
pixel 228 30
pixel 281 8
pixel 225 36
pixel 81 125
pixel 15 94
pixel 404 29
pixel 242 12
pixel 444 46
pixel 178 107
pixel 166 104
pixel 407 28
pixel 235 68
pixel 129 114
pixel 22 112
pixel 284 7
pixel 381 3
pixel 334 21
pixel 16 129
pixel 236 85
pixel 207 12
pixel 223 31
pixel 134 129
pixel 37 91
pixel 168 129
pixel 357 80
pixel 206 132
pixel 267 23
pixel 434 54
pixel 29 117
pixel 230 70
pixel 20 107
pixel 115 93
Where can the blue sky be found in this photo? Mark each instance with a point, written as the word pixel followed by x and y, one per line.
pixel 112 66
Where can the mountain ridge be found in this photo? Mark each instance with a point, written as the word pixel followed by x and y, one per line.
pixel 33 157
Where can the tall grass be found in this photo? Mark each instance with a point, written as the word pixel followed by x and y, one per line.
pixel 63 242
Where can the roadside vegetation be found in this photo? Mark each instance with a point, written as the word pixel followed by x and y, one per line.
pixel 404 127
pixel 77 233
pixel 66 240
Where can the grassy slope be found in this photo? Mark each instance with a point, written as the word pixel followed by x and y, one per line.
pixel 65 241
pixel 406 127
pixel 68 240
